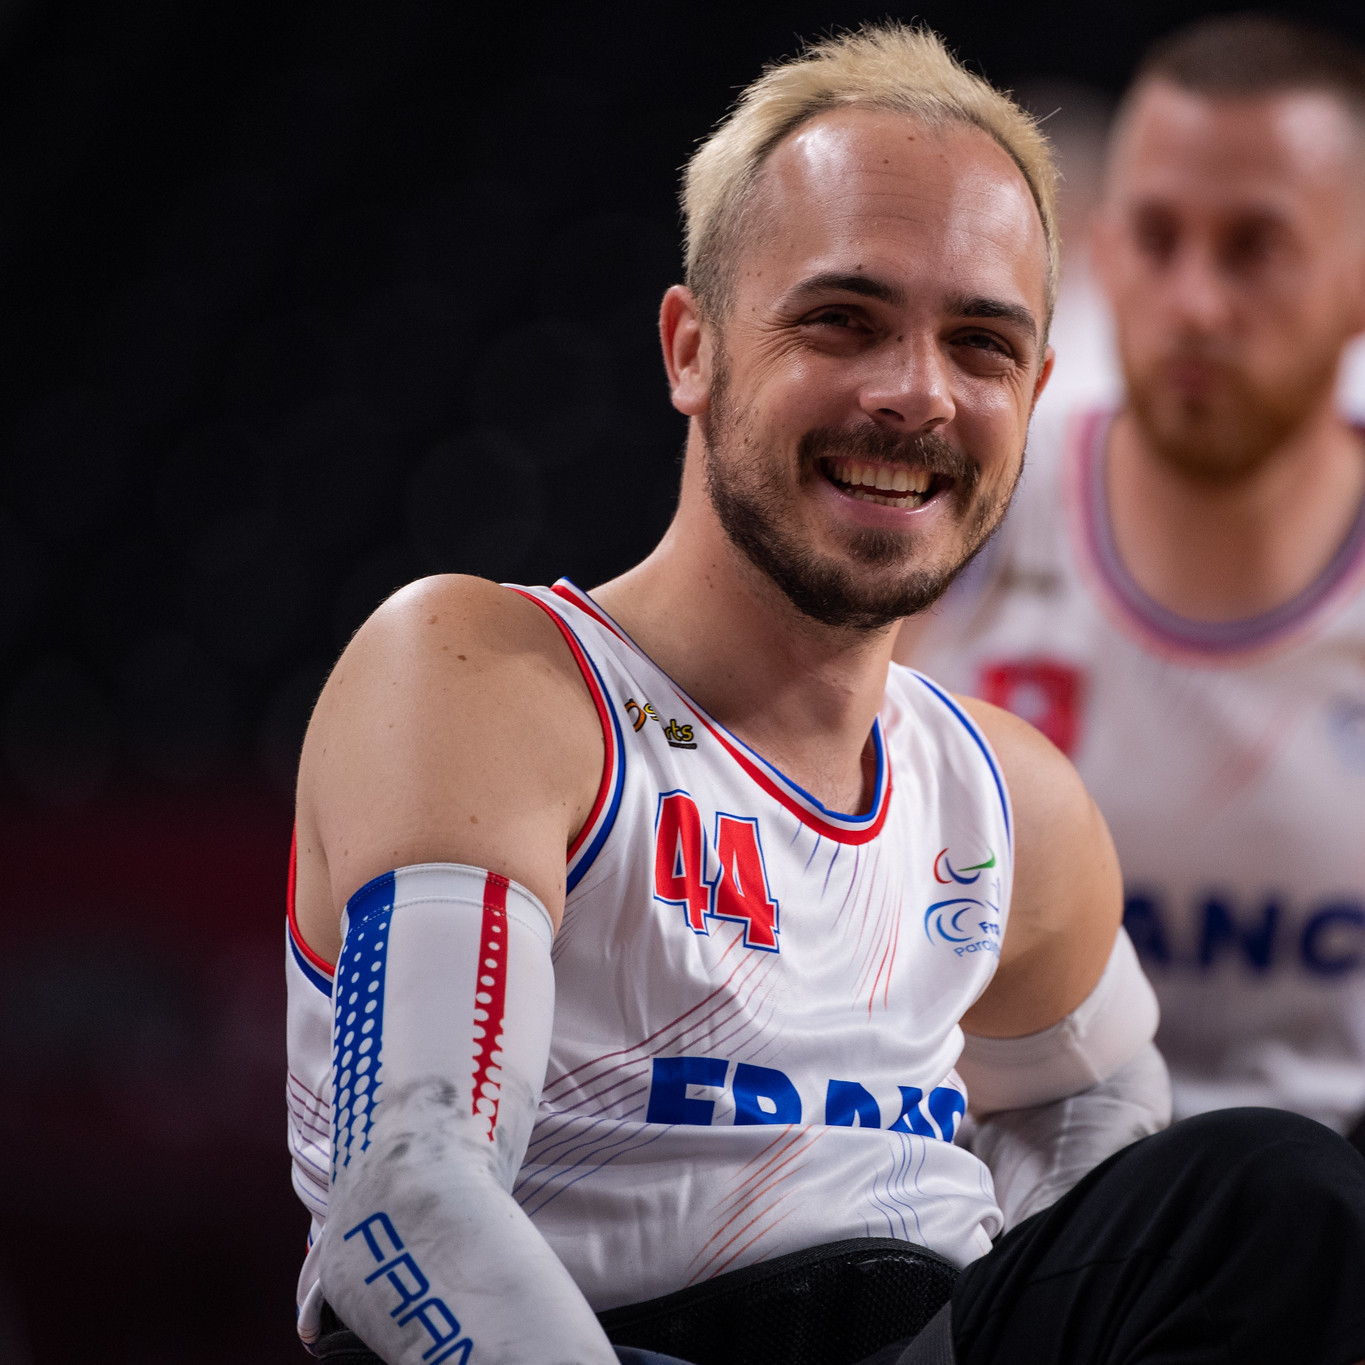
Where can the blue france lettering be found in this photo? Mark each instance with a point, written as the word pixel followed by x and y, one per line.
pixel 911 1119
pixel 765 1095
pixel 1220 934
pixel 1223 933
pixel 946 1106
pixel 394 1271
pixel 1145 922
pixel 1333 940
pixel 415 1303
pixel 386 1227
pixel 668 1098
pixel 850 1105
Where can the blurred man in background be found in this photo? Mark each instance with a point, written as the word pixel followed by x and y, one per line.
pixel 1178 597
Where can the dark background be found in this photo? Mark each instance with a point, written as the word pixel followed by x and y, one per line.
pixel 297 302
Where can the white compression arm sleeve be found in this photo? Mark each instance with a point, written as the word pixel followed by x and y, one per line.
pixel 1036 1155
pixel 1052 1105
pixel 443 1004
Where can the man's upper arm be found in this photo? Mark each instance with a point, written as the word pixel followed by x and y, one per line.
pixel 1067 901
pixel 454 728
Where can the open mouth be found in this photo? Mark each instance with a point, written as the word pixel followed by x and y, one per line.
pixel 889 485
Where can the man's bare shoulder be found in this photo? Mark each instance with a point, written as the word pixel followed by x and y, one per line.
pixel 435 623
pixel 455 727
pixel 1042 780
pixel 1066 902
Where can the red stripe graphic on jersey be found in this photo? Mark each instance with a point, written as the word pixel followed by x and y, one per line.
pixel 839 833
pixel 765 1187
pixel 844 834
pixel 723 1016
pixel 694 1023
pixel 321 963
pixel 603 715
pixel 586 604
pixel 490 1000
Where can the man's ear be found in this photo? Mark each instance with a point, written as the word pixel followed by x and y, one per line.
pixel 1100 235
pixel 1044 374
pixel 687 342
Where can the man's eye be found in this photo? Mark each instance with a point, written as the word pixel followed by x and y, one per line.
pixel 1155 236
pixel 1249 246
pixel 983 341
pixel 832 317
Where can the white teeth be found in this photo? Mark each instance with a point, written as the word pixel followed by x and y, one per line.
pixel 907 501
pixel 907 484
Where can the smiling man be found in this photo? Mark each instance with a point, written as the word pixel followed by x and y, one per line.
pixel 653 1021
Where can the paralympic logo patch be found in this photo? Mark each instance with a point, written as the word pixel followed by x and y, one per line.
pixel 970 924
pixel 942 864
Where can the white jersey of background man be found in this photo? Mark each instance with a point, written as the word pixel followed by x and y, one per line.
pixel 756 999
pixel 1228 759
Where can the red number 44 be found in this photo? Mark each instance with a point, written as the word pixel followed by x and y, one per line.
pixel 739 888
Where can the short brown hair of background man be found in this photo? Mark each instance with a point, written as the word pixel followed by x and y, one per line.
pixel 1179 598
pixel 780 877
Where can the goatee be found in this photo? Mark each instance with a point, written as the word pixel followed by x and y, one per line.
pixel 750 496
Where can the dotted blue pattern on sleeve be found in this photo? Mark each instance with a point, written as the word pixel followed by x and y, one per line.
pixel 358 1019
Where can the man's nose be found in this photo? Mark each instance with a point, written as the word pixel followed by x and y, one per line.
pixel 1197 293
pixel 909 387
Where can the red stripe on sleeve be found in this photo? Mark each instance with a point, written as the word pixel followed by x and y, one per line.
pixel 490 998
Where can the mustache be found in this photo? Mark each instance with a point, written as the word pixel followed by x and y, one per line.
pixel 1204 352
pixel 927 450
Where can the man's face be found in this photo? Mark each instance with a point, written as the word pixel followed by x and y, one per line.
pixel 1231 246
pixel 875 372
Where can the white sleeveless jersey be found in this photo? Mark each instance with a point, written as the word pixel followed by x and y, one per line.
pixel 1229 761
pixel 757 999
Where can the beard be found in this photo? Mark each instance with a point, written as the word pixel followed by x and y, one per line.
pixel 877 581
pixel 1234 431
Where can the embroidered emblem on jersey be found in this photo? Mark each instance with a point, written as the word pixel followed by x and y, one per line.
pixel 639 712
pixel 941 865
pixel 738 888
pixel 1043 692
pixel 678 736
pixel 970 923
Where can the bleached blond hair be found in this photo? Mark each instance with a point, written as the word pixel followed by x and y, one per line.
pixel 888 66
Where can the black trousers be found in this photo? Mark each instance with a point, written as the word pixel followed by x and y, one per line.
pixel 1233 1238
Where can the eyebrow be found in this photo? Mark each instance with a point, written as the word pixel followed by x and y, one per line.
pixel 870 287
pixel 978 307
